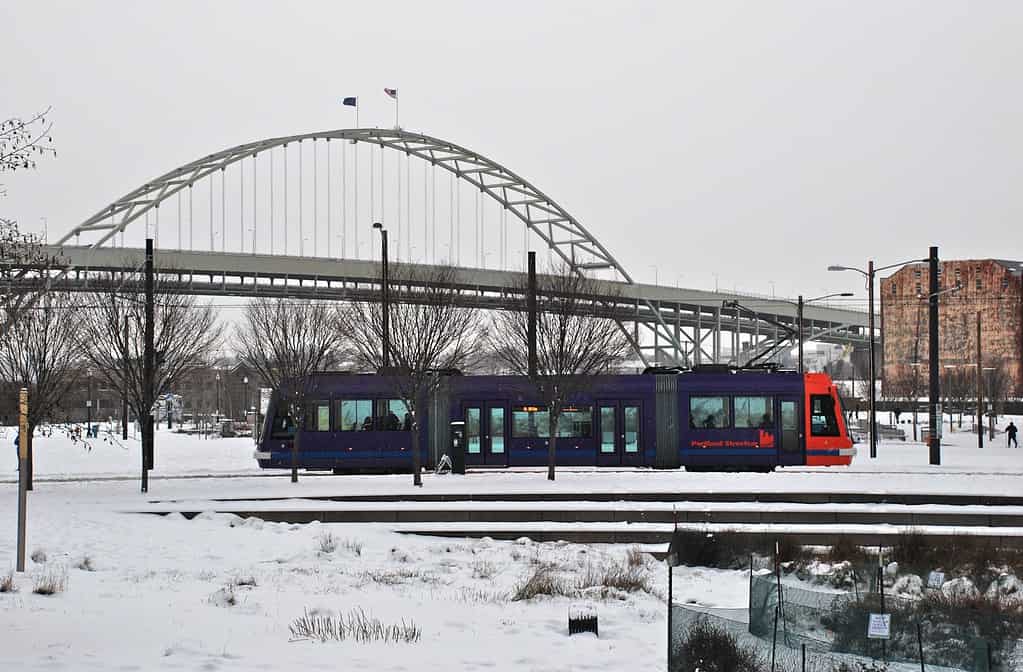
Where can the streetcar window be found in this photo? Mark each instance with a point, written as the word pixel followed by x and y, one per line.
pixel 823 421
pixel 530 422
pixel 708 412
pixel 631 417
pixel 752 412
pixel 356 415
pixel 576 422
pixel 317 417
pixel 390 414
pixel 283 427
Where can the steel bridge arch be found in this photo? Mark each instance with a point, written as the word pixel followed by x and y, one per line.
pixel 560 231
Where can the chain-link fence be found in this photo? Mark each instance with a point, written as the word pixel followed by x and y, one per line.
pixel 796 629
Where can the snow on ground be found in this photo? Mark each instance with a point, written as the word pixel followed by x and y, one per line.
pixel 157 597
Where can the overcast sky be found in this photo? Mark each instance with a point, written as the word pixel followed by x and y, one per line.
pixel 757 141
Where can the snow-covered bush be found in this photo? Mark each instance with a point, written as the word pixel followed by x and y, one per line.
pixel 328 542
pixel 543 580
pixel 908 586
pixel 85 564
pixel 38 556
pixel 483 569
pixel 7 584
pixel 613 577
pixel 354 546
pixel 960 589
pixel 1005 587
pixel 51 581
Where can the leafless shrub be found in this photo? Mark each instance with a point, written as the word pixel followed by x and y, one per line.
pixel 483 569
pixel 355 626
pixel 225 597
pixel 708 647
pixel 481 596
pixel 353 545
pixel 400 555
pixel 38 556
pixel 328 542
pixel 394 577
pixel 627 579
pixel 544 580
pixel 85 564
pixel 635 557
pixel 247 581
pixel 50 582
pixel 7 584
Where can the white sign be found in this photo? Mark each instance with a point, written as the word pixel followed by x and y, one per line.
pixel 880 626
pixel 264 399
pixel 935 579
pixel 88 403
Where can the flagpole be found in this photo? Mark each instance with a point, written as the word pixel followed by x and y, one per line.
pixel 356 196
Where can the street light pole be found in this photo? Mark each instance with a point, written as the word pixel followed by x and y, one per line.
pixel 384 296
pixel 933 440
pixel 873 373
pixel 980 392
pixel 799 326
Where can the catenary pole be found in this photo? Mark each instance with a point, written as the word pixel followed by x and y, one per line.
pixel 531 315
pixel 933 440
pixel 147 373
pixel 873 372
pixel 980 392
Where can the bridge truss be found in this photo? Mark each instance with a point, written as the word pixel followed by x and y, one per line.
pixel 251 246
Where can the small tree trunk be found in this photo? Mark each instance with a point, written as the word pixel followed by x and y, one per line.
pixel 417 477
pixel 552 444
pixel 914 423
pixel 294 456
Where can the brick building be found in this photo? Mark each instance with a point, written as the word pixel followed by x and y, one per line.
pixel 991 287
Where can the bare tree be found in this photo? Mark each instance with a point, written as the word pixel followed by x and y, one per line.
pixel 285 342
pixel 24 269
pixel 40 352
pixel 428 333
pixel 113 329
pixel 22 141
pixel 572 345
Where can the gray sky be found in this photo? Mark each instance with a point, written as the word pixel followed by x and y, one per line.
pixel 756 141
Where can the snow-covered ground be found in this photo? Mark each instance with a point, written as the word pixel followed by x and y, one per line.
pixel 157 597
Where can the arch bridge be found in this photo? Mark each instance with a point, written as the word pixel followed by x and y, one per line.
pixel 281 217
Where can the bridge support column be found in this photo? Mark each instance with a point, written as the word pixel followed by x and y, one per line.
pixel 717 335
pixel 698 338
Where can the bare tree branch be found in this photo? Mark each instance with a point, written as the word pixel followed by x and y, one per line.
pixel 572 346
pixel 285 342
pixel 40 352
pixel 22 140
pixel 427 334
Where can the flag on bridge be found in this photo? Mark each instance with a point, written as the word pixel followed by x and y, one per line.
pixel 393 93
pixel 351 101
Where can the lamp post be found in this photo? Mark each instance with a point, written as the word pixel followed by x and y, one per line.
pixel 216 413
pixel 245 394
pixel 384 296
pixel 933 440
pixel 869 275
pixel 799 318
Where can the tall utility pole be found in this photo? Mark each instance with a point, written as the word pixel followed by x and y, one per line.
pixel 933 439
pixel 147 373
pixel 980 392
pixel 124 395
pixel 872 409
pixel 531 315
pixel 384 297
pixel 799 326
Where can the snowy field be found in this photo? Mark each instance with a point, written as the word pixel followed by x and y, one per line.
pixel 161 590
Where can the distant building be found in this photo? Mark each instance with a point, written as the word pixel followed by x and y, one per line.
pixel 991 287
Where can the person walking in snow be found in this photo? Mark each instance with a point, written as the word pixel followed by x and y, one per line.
pixel 1010 432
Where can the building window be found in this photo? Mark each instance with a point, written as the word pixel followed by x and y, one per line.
pixel 918 289
pixel 979 285
pixel 916 273
pixel 1005 284
pixel 895 288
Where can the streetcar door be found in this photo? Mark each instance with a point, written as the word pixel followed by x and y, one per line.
pixel 486 434
pixel 619 426
pixel 790 448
